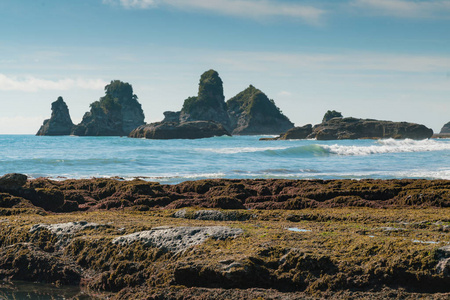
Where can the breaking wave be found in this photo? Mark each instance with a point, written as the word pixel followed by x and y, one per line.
pixel 389 146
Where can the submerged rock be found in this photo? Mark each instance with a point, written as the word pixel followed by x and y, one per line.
pixel 185 130
pixel 252 112
pixel 115 114
pixel 60 122
pixel 178 239
pixel 209 104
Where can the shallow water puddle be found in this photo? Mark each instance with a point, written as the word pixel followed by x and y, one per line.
pixel 295 229
pixel 425 242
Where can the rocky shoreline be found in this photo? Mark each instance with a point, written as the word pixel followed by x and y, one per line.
pixel 219 239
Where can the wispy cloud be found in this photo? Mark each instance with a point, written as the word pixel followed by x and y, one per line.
pixel 360 62
pixel 405 9
pixel 238 8
pixel 33 84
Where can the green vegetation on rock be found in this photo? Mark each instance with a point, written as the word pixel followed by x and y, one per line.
pixel 330 115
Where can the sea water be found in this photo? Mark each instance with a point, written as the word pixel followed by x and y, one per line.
pixel 174 161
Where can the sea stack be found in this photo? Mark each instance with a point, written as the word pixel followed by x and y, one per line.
pixel 209 104
pixel 60 122
pixel 251 112
pixel 115 114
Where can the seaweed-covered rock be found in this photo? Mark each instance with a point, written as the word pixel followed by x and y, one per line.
pixel 174 130
pixel 252 112
pixel 209 104
pixel 330 114
pixel 60 122
pixel 115 114
pixel 353 128
pixel 12 181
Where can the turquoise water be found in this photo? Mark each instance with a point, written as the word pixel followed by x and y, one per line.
pixel 173 161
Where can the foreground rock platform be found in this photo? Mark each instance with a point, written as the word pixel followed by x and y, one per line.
pixel 230 239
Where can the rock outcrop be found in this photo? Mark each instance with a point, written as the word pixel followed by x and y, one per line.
pixel 177 130
pixel 178 239
pixel 60 122
pixel 296 133
pixel 115 114
pixel 330 114
pixel 252 113
pixel 12 181
pixel 445 129
pixel 209 104
pixel 353 128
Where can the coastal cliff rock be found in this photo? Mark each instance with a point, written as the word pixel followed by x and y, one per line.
pixel 60 122
pixel 353 128
pixel 115 114
pixel 176 130
pixel 445 129
pixel 209 104
pixel 251 112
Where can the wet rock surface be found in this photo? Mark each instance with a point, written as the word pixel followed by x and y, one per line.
pixel 112 194
pixel 12 181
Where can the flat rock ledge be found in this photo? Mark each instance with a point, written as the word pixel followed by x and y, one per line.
pixel 69 228
pixel 178 239
pixel 64 232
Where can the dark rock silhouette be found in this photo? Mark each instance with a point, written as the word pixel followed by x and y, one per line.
pixel 60 122
pixel 177 130
pixel 330 115
pixel 251 112
pixel 209 104
pixel 115 114
pixel 12 181
pixel 296 133
pixel 353 128
pixel 446 129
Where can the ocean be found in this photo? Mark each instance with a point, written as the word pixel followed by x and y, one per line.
pixel 174 161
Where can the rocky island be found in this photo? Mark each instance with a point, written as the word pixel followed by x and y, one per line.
pixel 229 239
pixel 250 112
pixel 115 114
pixel 339 128
pixel 60 122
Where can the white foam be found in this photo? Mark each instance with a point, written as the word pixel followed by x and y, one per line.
pixel 390 146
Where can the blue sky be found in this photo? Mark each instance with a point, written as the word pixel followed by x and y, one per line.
pixel 383 59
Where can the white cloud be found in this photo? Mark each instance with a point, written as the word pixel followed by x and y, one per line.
pixel 33 84
pixel 238 8
pixel 20 124
pixel 406 9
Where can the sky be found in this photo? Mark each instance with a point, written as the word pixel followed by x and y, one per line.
pixel 380 59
